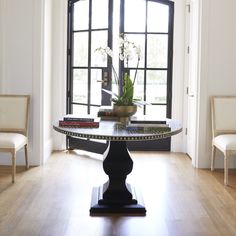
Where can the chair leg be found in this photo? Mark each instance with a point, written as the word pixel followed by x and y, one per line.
pixel 26 158
pixel 213 152
pixel 13 166
pixel 225 170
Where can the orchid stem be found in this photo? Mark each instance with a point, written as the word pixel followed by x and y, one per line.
pixel 116 76
pixel 135 75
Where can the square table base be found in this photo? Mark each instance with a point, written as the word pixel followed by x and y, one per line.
pixel 132 209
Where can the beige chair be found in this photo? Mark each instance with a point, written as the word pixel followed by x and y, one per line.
pixel 13 126
pixel 223 109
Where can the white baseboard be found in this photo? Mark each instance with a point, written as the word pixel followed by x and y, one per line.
pixel 47 151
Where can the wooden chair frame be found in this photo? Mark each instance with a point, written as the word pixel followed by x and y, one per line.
pixel 23 131
pixel 216 132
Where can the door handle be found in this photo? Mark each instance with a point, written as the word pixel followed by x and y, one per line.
pixel 103 81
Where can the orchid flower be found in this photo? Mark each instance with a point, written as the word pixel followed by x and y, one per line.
pixel 127 49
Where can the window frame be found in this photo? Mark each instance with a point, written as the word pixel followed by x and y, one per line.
pixel 169 68
pixel 155 145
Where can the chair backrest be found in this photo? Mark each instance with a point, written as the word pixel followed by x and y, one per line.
pixel 14 111
pixel 223 110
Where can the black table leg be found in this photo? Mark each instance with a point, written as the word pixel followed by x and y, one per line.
pixel 116 196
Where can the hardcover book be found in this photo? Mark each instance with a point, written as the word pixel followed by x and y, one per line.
pixel 77 124
pixel 72 117
pixel 145 119
pixel 106 111
pixel 148 128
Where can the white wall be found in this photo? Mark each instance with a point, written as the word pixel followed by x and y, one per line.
pixel 22 68
pixel 1 44
pixel 17 46
pixel 47 80
pixel 217 72
pixel 17 51
pixel 59 68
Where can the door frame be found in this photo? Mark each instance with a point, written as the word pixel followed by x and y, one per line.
pixel 194 7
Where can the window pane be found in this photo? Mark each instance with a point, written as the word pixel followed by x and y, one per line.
pixel 81 15
pixel 135 15
pixel 80 86
pixel 158 17
pixel 81 49
pixel 139 41
pixel 78 109
pixel 157 51
pixel 83 109
pixel 99 39
pixel 156 86
pixel 158 111
pixel 99 14
pixel 96 87
pixel 139 111
pixel 94 111
pixel 139 84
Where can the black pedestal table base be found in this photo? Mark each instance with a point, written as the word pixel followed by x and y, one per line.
pixel 116 196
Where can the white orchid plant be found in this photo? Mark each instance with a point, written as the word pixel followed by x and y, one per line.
pixel 126 51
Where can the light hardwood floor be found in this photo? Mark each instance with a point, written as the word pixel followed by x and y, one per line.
pixel 55 199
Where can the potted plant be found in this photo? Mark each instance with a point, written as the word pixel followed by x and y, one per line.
pixel 124 103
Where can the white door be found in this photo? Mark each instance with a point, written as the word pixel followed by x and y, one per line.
pixel 192 76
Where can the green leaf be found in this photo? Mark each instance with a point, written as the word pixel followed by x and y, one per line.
pixel 128 90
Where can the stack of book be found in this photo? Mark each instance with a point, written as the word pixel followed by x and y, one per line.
pixel 107 113
pixel 74 121
pixel 145 123
pixel 144 128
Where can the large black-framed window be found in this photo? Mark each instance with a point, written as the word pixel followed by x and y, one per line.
pixel 153 71
pixel 80 49
pixel 149 23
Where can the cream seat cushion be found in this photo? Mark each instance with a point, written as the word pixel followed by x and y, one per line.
pixel 225 141
pixel 12 140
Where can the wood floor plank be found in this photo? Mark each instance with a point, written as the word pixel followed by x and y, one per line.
pixel 54 199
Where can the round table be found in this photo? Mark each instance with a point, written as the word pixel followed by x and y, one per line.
pixel 117 196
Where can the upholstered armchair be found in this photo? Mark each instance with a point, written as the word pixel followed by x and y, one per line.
pixel 14 111
pixel 223 110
